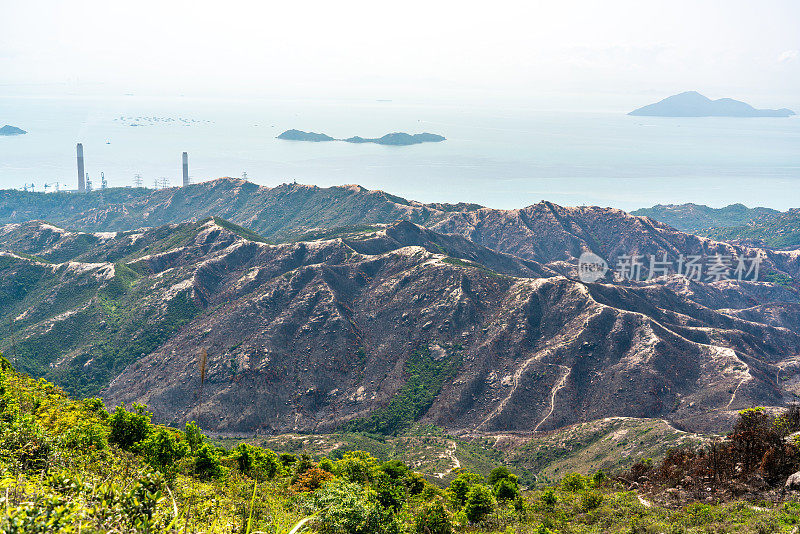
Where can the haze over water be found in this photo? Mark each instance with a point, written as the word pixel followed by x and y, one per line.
pixel 505 157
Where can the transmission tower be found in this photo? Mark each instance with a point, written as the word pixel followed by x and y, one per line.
pixel 88 183
pixel 137 180
pixel 103 183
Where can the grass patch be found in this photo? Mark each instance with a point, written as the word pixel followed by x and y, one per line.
pixel 239 230
pixel 425 378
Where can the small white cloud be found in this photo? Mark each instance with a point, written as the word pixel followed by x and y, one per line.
pixel 788 55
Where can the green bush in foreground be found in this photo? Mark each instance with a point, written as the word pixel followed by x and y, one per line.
pixel 480 503
pixel 433 518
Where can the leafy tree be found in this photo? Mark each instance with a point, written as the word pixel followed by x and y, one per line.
pixel 193 435
pixel 506 490
pixel 326 464
pixel 480 503
pixel 395 469
pixel 460 486
pixel 303 464
pixel 96 406
pixel 433 519
pixel 347 508
pixel 129 428
pixel 389 492
pixel 206 463
pixel 497 474
pixel 287 459
pixel 356 466
pixel 162 451
pixel 415 483
pixel 573 482
pixel 255 462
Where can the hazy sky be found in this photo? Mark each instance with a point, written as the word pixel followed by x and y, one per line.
pixel 740 48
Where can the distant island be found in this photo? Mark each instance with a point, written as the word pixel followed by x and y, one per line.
pixel 693 104
pixel 298 135
pixel 395 139
pixel 11 130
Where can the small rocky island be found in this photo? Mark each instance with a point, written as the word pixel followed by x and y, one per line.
pixel 298 135
pixel 394 139
pixel 11 130
pixel 693 104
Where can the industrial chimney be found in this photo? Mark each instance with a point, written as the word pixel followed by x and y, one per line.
pixel 81 175
pixel 185 169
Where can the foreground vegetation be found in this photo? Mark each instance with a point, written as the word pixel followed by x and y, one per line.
pixel 71 466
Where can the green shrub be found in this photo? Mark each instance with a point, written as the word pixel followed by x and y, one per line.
pixel 573 482
pixel 394 468
pixel 326 464
pixel 433 519
pixel 86 436
pixel 599 478
pixel 460 486
pixel 497 474
pixel 129 428
pixel 347 508
pixel 549 498
pixel 206 463
pixel 162 451
pixel 193 436
pixel 390 493
pixel 255 462
pixel 506 490
pixel 356 466
pixel 46 514
pixel 591 500
pixel 25 442
pixel 480 503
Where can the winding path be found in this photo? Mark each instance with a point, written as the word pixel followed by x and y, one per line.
pixel 450 453
pixel 560 384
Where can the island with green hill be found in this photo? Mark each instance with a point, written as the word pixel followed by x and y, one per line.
pixel 393 139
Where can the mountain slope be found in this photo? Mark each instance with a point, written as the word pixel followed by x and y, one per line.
pixel 474 323
pixel 780 231
pixel 694 218
pixel 281 213
pixel 557 236
pixel 735 223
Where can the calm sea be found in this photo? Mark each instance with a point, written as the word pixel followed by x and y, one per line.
pixel 503 158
